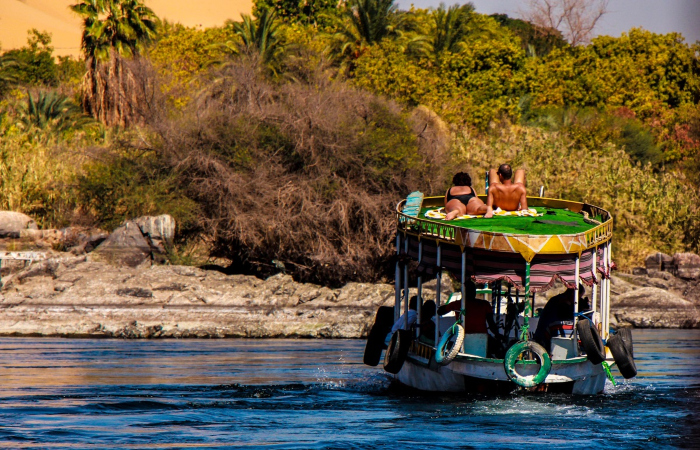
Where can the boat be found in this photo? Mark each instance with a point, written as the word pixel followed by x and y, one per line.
pixel 512 261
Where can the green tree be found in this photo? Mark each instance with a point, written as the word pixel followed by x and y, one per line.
pixel 34 64
pixel 113 30
pixel 308 12
pixel 450 28
pixel 538 41
pixel 366 22
pixel 260 36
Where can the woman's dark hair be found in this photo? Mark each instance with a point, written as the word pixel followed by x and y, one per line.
pixel 462 179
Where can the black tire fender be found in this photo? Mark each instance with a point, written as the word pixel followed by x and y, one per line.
pixel 383 321
pixel 590 341
pixel 397 351
pixel 626 336
pixel 621 355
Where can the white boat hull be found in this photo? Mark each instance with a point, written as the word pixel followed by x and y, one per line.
pixel 482 375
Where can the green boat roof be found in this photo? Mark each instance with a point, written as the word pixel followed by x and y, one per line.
pixel 552 221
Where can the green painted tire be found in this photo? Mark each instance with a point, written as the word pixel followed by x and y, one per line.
pixel 450 345
pixel 512 356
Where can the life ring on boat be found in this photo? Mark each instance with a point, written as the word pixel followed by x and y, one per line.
pixel 621 355
pixel 590 341
pixel 626 336
pixel 397 351
pixel 450 344
pixel 383 321
pixel 512 356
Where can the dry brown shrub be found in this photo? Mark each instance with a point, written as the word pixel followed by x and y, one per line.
pixel 305 173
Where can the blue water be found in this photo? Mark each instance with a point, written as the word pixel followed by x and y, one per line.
pixel 312 394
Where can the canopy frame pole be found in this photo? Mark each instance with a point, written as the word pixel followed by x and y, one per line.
pixel 437 293
pixel 464 292
pixel 594 271
pixel 419 286
pixel 405 286
pixel 397 279
pixel 604 294
pixel 608 261
pixel 576 294
pixel 527 311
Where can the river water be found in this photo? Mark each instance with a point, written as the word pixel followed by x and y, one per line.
pixel 312 394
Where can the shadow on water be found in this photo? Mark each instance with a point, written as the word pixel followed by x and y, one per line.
pixel 61 393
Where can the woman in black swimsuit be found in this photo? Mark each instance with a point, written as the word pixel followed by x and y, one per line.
pixel 461 199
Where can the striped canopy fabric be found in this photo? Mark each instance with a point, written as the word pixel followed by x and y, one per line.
pixel 485 266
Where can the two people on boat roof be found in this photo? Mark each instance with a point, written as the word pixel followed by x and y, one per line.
pixel 505 192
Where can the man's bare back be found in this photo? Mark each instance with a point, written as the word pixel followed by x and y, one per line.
pixel 504 193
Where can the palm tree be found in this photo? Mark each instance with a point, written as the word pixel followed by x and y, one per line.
pixel 8 73
pixel 368 22
pixel 113 30
pixel 364 23
pixel 449 28
pixel 259 35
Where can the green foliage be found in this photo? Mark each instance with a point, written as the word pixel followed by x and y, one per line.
pixel 449 28
pixel 261 36
pixel 181 55
pixel 70 71
pixel 537 41
pixel 363 23
pixel 308 12
pixel 33 64
pixel 126 184
pixel 123 26
pixel 50 110
pixel 36 176
pixel 592 129
pixel 477 86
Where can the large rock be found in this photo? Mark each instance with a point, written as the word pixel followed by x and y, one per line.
pixel 651 307
pixel 160 230
pixel 125 246
pixel 659 262
pixel 687 266
pixel 79 240
pixel 12 223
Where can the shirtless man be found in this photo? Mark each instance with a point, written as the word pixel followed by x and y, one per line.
pixel 461 199
pixel 504 193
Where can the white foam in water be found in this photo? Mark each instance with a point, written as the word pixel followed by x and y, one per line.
pixel 527 406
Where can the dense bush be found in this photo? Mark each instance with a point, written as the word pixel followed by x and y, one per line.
pixel 302 173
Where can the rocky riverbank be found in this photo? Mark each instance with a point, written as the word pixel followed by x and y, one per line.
pixel 120 289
